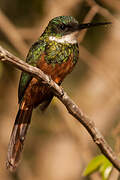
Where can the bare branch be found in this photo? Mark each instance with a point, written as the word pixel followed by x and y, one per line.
pixel 103 11
pixel 72 108
pixel 88 18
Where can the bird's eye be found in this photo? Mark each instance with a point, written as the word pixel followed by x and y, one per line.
pixel 63 27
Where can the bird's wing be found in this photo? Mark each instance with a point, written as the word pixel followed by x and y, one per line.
pixel 33 56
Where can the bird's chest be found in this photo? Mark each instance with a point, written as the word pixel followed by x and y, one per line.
pixel 58 53
pixel 55 64
pixel 56 71
pixel 37 92
pixel 58 60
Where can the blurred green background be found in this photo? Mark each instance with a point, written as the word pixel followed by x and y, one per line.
pixel 57 147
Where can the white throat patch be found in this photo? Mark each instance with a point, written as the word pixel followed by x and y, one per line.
pixel 69 38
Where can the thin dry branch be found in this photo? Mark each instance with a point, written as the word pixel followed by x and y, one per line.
pixel 72 108
pixel 101 10
pixel 88 18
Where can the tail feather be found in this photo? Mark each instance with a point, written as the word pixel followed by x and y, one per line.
pixel 17 137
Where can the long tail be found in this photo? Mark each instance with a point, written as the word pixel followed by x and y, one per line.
pixel 17 137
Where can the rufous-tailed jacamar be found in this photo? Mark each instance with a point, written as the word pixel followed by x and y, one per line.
pixel 55 53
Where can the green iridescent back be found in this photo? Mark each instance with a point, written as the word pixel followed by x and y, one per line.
pixel 33 56
pixel 54 52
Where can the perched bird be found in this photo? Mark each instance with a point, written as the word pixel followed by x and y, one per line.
pixel 55 53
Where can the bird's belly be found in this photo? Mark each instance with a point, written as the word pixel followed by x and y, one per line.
pixel 36 92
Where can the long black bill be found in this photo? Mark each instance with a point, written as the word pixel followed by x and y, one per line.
pixel 89 25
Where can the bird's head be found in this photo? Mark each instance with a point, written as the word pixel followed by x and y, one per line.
pixel 66 29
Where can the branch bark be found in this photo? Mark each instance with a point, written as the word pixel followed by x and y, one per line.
pixel 72 108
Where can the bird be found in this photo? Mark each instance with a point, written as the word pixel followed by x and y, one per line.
pixel 56 52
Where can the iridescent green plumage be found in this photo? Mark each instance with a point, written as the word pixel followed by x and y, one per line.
pixel 33 56
pixel 59 53
pixel 53 26
pixel 54 52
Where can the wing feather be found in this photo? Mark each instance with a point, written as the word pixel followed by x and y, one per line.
pixel 33 56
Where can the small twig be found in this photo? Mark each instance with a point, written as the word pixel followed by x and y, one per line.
pixel 72 108
pixel 88 18
pixel 103 11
